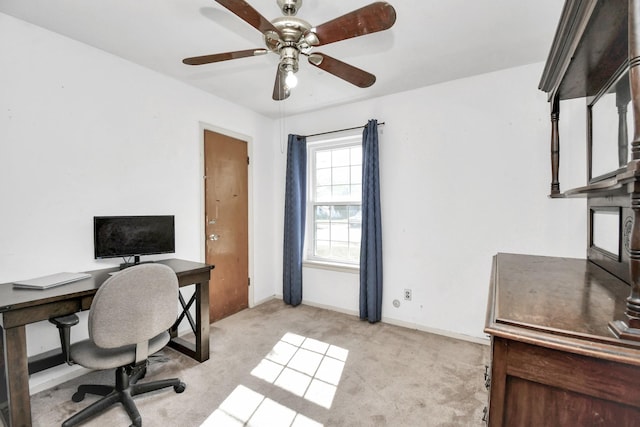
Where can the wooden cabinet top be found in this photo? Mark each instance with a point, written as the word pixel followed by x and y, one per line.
pixel 590 45
pixel 560 303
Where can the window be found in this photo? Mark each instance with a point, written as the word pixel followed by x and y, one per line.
pixel 334 207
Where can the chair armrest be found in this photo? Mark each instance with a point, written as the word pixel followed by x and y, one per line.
pixel 64 324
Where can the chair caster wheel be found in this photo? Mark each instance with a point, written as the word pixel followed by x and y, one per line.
pixel 77 397
pixel 180 387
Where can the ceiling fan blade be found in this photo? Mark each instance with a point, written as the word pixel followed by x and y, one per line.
pixel 347 72
pixel 248 14
pixel 375 17
pixel 280 89
pixel 218 57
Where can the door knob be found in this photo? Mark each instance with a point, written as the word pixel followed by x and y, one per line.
pixel 213 237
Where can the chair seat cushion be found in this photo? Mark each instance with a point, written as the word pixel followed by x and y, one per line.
pixel 87 354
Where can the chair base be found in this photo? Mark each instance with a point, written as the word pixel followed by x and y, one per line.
pixel 124 391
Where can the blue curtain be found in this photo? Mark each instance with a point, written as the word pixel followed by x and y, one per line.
pixel 294 218
pixel 371 241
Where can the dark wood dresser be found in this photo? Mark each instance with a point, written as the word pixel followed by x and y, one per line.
pixel 565 333
pixel 554 360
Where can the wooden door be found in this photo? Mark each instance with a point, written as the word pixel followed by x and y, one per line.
pixel 226 223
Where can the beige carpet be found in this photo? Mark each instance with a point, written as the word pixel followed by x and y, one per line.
pixel 275 365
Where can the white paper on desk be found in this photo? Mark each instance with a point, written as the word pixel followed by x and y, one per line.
pixel 46 282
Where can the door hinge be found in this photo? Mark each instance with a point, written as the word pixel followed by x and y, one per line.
pixel 248 281
pixel 248 162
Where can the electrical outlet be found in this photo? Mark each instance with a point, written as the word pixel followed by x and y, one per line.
pixel 407 294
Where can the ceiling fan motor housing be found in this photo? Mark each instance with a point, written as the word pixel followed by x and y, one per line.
pixel 289 7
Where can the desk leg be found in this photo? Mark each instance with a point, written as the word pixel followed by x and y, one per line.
pixel 199 351
pixel 202 316
pixel 16 376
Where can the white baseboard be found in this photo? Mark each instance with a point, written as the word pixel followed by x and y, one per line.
pixel 262 301
pixel 462 337
pixel 54 376
pixel 332 308
pixel 396 322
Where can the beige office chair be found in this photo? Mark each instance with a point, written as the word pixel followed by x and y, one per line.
pixel 129 318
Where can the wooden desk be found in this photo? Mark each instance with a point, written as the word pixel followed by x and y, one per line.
pixel 554 360
pixel 20 307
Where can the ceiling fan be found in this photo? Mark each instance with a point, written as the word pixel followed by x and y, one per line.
pixel 289 37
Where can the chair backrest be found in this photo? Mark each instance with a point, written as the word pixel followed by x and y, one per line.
pixel 133 306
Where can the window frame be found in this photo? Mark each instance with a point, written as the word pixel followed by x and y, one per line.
pixel 314 144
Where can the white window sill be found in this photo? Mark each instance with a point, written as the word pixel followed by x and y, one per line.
pixel 334 266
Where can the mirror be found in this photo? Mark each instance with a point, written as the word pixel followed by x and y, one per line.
pixel 605 230
pixel 611 130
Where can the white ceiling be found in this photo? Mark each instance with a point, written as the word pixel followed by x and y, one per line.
pixel 431 42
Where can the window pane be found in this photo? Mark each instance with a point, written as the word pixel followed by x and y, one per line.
pixel 323 248
pixel 339 250
pixel 323 176
pixel 356 155
pixel 355 215
pixel 323 194
pixel 323 212
pixel 354 251
pixel 356 192
pixel 322 230
pixel 356 174
pixel 339 232
pixel 355 224
pixel 341 192
pixel 323 159
pixel 339 212
pixel 355 232
pixel 340 157
pixel 341 175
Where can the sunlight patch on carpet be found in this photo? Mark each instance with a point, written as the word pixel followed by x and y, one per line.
pixel 305 367
pixel 245 407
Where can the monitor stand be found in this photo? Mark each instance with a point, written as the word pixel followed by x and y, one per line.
pixel 136 261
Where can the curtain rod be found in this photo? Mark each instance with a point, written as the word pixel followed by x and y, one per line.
pixel 340 130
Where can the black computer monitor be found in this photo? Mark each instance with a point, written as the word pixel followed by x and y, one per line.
pixel 133 236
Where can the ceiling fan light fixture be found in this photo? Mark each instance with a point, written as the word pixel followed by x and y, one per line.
pixel 289 66
pixel 291 80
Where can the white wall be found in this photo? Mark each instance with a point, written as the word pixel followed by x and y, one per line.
pixel 84 133
pixel 465 173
